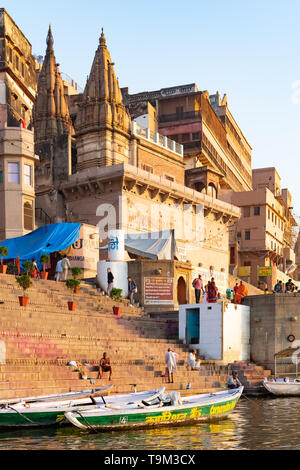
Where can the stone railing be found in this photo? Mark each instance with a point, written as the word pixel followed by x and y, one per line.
pixel 157 139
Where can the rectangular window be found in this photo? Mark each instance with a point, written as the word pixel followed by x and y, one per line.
pixel 22 69
pixel 17 62
pixel 170 178
pixel 269 215
pixel 1 176
pixel 28 175
pixel 13 174
pixel 179 110
pixel 147 168
pixel 246 211
pixel 10 55
pixel 195 135
pixel 185 137
pixel 257 210
pixel 232 255
pixel 247 235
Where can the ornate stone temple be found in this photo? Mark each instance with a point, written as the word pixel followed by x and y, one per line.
pixel 53 136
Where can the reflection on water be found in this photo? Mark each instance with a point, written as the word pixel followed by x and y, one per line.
pixel 264 423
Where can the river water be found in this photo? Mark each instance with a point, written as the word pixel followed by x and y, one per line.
pixel 256 423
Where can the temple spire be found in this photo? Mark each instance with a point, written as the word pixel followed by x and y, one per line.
pixel 102 40
pixel 101 108
pixel 51 113
pixel 49 40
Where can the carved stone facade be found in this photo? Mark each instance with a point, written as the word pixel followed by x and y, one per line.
pixel 17 74
pixel 53 139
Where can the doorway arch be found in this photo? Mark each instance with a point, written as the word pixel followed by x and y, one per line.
pixel 181 291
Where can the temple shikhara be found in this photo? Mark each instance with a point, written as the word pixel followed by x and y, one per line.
pixel 169 169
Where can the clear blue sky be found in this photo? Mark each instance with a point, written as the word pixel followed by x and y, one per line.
pixel 249 50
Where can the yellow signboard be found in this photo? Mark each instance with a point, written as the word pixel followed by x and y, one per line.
pixel 264 271
pixel 244 271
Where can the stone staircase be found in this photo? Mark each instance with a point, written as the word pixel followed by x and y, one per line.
pixel 38 341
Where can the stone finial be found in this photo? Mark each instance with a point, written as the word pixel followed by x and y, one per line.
pixel 102 38
pixel 50 41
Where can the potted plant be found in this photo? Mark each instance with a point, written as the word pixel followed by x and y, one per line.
pixel 75 273
pixel 44 259
pixel 72 284
pixel 25 282
pixel 116 294
pixel 28 267
pixel 3 252
pixel 11 269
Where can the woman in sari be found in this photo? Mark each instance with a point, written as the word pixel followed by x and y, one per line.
pixel 212 294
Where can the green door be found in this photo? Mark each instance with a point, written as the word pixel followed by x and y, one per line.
pixel 192 325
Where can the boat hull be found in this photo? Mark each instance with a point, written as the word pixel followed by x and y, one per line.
pixel 286 389
pixel 44 414
pixel 104 420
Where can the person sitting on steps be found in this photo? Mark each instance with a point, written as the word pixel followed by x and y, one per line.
pixel 104 366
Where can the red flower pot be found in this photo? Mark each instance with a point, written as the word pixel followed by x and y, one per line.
pixel 117 311
pixel 44 275
pixel 3 268
pixel 23 301
pixel 72 305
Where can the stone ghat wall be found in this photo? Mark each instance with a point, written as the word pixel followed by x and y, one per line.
pixel 38 341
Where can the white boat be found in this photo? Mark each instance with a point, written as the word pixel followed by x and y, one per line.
pixel 165 410
pixel 283 386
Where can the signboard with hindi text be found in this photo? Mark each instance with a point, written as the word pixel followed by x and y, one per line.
pixel 264 271
pixel 244 271
pixel 158 290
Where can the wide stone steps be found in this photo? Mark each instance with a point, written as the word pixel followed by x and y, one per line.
pixel 41 339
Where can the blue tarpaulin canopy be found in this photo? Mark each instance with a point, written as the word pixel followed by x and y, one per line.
pixel 45 240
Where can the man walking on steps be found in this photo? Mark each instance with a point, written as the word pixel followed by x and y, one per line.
pixel 110 281
pixel 65 264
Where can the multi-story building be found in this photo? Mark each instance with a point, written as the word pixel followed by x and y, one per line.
pixel 263 236
pixel 17 157
pixel 213 142
pixel 17 74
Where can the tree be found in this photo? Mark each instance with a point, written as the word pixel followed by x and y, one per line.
pixel 3 252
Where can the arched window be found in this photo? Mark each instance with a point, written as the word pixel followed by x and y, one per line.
pixel 28 216
pixel 212 190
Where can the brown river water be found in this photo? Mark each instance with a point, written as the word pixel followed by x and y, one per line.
pixel 255 424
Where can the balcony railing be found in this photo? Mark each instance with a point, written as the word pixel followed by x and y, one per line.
pixel 157 139
pixel 180 116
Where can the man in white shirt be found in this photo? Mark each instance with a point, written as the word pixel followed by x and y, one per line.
pixel 170 359
pixel 192 361
pixel 59 271
pixel 233 381
pixel 65 264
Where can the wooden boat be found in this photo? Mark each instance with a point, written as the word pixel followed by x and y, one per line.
pixel 42 412
pixel 204 407
pixel 287 387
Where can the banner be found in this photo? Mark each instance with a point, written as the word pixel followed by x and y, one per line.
pixel 264 271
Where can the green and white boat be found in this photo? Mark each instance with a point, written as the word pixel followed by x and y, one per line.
pixel 163 411
pixel 45 410
pixel 49 410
